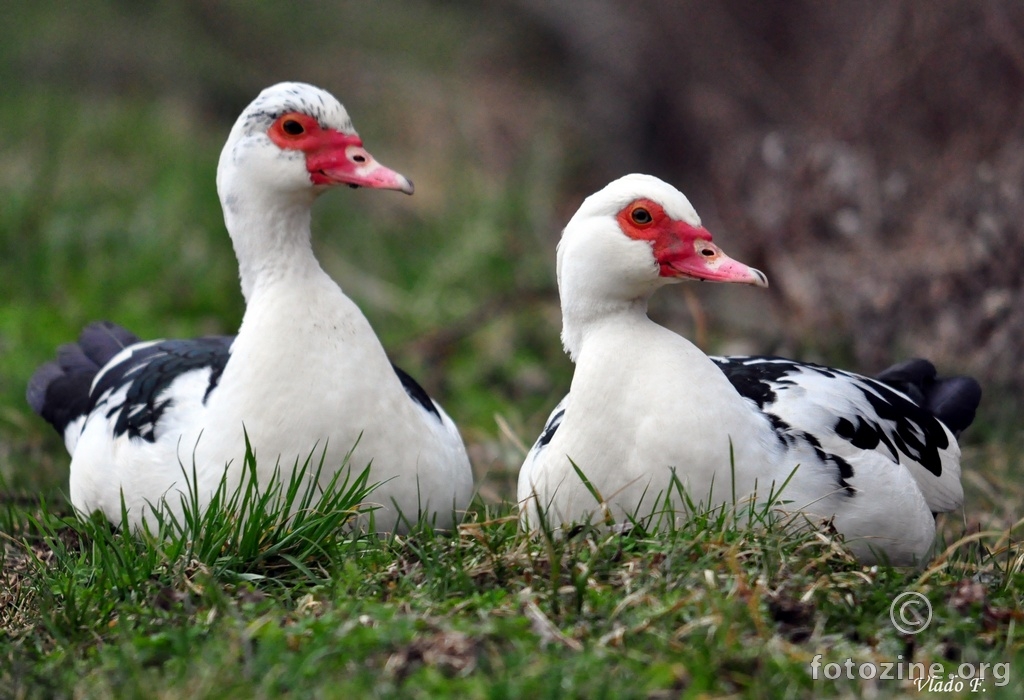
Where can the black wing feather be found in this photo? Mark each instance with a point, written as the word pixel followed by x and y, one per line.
pixel 954 400
pixel 907 402
pixel 148 371
pixel 62 390
pixel 415 391
pixel 59 390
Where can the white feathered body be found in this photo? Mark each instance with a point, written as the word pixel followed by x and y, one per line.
pixel 649 415
pixel 300 386
pixel 305 379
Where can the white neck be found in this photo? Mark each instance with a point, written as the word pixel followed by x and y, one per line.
pixel 581 315
pixel 271 237
pixel 602 275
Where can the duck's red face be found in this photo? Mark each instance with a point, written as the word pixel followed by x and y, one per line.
pixel 681 250
pixel 332 157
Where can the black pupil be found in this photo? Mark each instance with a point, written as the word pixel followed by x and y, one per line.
pixel 292 127
pixel 641 216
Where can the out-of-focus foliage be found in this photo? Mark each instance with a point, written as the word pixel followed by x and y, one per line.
pixel 867 155
pixel 113 116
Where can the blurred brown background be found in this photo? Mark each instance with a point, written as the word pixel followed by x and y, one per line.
pixel 867 154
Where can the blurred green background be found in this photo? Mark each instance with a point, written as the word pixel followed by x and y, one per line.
pixel 866 155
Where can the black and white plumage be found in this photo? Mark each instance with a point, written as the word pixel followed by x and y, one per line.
pixel 305 375
pixel 878 456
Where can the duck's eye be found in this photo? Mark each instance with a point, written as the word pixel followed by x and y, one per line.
pixel 292 127
pixel 640 216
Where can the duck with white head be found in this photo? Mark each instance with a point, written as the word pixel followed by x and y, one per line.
pixel 305 376
pixel 649 415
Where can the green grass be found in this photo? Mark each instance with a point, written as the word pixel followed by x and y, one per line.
pixel 483 612
pixel 218 606
pixel 109 211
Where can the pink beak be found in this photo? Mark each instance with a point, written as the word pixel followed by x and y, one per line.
pixel 354 166
pixel 694 256
pixel 334 158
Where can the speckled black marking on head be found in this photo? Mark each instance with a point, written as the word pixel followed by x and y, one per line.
pixel 149 371
pixel 314 102
pixel 416 392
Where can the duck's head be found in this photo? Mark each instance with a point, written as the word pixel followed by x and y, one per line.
pixel 627 240
pixel 637 234
pixel 295 139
